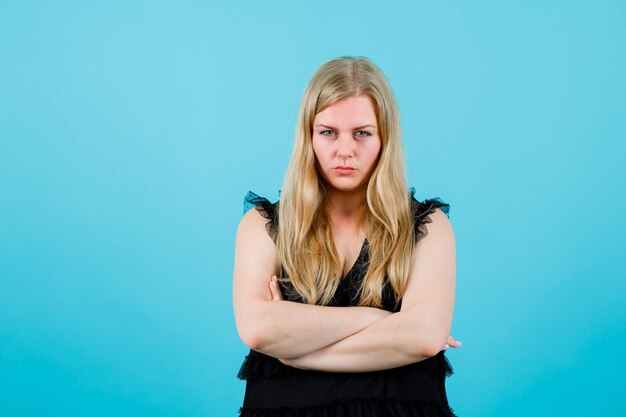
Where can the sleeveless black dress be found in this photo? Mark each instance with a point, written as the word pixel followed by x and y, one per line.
pixel 277 390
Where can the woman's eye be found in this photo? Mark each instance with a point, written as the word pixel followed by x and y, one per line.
pixel 358 133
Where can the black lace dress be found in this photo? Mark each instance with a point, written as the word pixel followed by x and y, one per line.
pixel 277 390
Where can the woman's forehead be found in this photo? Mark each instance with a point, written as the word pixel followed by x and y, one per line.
pixel 350 112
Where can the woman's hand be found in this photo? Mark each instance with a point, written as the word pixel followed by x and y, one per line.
pixel 451 343
pixel 275 293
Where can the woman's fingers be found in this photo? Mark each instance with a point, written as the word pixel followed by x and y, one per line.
pixel 274 289
pixel 452 342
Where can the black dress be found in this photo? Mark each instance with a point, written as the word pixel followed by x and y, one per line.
pixel 277 390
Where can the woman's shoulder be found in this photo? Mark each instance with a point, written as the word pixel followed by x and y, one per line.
pixel 265 211
pixel 263 205
pixel 427 211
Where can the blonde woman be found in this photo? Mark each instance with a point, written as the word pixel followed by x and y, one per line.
pixel 344 288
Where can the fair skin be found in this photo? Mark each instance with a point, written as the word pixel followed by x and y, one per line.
pixel 345 134
pixel 345 339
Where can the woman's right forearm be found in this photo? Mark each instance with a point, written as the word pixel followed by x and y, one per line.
pixel 286 329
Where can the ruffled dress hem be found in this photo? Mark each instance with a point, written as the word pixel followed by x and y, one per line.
pixel 357 407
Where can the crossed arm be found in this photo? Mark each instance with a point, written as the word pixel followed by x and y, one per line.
pixel 345 339
pixel 376 347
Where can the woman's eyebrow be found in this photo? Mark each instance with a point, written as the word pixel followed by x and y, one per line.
pixel 358 127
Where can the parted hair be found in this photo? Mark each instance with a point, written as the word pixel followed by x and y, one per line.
pixel 305 241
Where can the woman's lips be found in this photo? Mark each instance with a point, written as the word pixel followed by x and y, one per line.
pixel 344 170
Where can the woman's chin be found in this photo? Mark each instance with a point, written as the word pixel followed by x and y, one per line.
pixel 346 186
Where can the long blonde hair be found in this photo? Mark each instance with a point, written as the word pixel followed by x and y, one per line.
pixel 304 229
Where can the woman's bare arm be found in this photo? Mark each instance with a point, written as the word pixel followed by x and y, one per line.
pixel 420 330
pixel 286 329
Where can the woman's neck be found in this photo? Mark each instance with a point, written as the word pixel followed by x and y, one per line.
pixel 346 206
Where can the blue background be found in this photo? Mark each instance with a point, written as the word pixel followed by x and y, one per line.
pixel 130 132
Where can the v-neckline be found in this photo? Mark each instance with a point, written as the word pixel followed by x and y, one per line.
pixel 358 258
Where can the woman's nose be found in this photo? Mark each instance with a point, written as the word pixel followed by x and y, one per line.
pixel 345 146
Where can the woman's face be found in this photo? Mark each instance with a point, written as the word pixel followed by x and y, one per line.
pixel 346 142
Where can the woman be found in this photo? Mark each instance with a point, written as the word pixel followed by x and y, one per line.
pixel 358 318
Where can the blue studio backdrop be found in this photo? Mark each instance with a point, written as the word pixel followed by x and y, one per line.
pixel 131 131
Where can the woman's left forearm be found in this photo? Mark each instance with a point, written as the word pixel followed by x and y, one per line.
pixel 397 340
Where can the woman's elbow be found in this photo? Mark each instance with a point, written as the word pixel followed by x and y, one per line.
pixel 252 339
pixel 426 345
pixel 252 332
pixel 432 349
pixel 250 329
